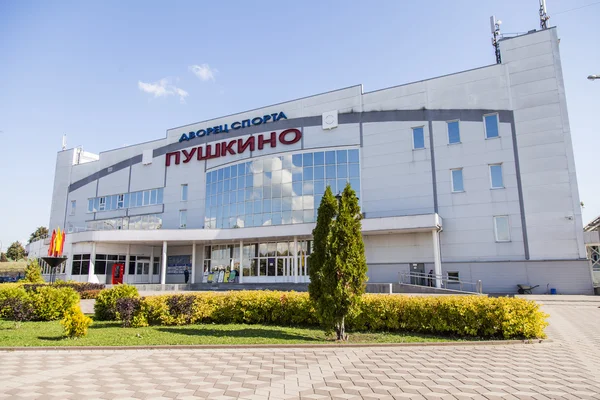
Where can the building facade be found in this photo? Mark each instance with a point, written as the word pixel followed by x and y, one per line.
pixel 469 175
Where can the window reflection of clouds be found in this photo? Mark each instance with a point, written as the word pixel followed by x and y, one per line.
pixel 277 190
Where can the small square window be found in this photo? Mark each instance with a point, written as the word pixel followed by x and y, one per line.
pixel 184 192
pixel 453 132
pixel 456 176
pixel 502 228
pixel 496 179
pixel 491 126
pixel 418 138
pixel 453 276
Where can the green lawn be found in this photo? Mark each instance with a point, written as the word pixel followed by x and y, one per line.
pixel 112 334
pixel 12 267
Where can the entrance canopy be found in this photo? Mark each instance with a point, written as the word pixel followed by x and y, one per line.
pixel 370 226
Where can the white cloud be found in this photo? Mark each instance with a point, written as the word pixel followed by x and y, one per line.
pixel 163 88
pixel 204 72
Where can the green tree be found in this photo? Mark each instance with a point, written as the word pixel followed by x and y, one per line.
pixel 16 251
pixel 33 273
pixel 40 232
pixel 3 257
pixel 319 256
pixel 338 260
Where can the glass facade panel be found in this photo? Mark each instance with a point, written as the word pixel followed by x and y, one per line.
pixel 277 190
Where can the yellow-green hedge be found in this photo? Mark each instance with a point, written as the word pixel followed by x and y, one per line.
pixel 466 316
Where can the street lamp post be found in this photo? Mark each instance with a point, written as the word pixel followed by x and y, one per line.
pixel 593 77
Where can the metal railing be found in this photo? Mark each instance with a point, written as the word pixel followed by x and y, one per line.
pixel 446 282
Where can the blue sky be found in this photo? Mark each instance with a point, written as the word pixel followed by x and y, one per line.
pixel 113 73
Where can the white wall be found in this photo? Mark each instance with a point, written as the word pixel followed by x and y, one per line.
pixel 550 194
pixel 396 180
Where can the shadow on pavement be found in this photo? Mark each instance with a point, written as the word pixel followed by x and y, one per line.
pixel 249 333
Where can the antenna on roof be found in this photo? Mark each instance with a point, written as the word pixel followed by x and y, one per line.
pixel 495 28
pixel 64 142
pixel 543 15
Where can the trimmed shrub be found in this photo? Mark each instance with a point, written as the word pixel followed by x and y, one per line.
pixel 75 323
pixel 48 303
pixel 127 309
pixel 9 292
pixel 89 294
pixel 51 303
pixel 19 310
pixel 105 308
pixel 79 287
pixel 461 316
pixel 33 273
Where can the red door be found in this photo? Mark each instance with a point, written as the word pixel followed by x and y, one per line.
pixel 117 273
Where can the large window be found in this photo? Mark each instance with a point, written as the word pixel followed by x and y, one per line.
pixel 277 190
pixel 418 138
pixel 81 264
pixel 491 126
pixel 126 200
pixel 137 222
pixel 502 228
pixel 104 262
pixel 259 259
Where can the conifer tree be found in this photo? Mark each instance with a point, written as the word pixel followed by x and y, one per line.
pixel 33 273
pixel 321 239
pixel 340 267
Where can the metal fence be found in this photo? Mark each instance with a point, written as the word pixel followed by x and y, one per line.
pixel 446 282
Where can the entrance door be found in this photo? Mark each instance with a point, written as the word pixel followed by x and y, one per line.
pixel 142 271
pixel 417 274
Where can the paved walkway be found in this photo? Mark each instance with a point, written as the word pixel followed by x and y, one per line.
pixel 567 368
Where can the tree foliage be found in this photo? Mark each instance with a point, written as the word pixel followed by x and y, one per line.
pixel 16 251
pixel 33 273
pixel 40 232
pixel 3 257
pixel 338 267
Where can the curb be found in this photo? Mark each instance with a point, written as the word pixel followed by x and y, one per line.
pixel 279 346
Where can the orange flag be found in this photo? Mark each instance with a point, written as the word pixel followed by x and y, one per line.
pixel 51 247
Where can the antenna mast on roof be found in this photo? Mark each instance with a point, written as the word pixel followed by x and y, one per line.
pixel 64 142
pixel 495 28
pixel 543 15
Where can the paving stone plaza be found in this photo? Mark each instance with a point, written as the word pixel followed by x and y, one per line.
pixel 567 367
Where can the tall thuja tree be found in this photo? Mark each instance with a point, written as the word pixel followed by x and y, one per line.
pixel 321 248
pixel 342 272
pixel 347 271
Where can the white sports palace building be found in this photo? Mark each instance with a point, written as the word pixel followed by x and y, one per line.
pixel 469 175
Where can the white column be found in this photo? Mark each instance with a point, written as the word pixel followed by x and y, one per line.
pixel 91 271
pixel 163 266
pixel 437 259
pixel 193 271
pixel 127 259
pixel 241 271
pixel 151 277
pixel 295 260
